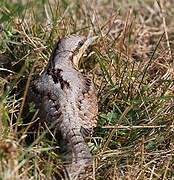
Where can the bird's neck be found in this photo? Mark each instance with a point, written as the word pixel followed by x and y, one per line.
pixel 60 60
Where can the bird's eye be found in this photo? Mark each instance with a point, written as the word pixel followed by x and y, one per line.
pixel 80 43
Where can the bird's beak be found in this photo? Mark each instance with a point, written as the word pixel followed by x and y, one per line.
pixel 88 42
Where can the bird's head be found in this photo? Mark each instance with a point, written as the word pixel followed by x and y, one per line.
pixel 71 48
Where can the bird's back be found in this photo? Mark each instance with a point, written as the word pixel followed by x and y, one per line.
pixel 62 91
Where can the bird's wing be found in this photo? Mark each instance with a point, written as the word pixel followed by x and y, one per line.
pixel 87 106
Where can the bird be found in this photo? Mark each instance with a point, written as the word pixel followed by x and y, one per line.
pixel 62 92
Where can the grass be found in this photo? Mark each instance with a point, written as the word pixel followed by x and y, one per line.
pixel 132 69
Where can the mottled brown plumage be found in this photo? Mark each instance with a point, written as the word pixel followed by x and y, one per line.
pixel 63 91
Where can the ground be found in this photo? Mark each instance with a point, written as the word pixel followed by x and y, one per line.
pixel 131 64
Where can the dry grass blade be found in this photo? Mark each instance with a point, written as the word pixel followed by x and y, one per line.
pixel 135 127
pixel 115 129
pixel 24 97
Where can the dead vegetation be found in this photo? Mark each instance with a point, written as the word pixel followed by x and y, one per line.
pixel 131 65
